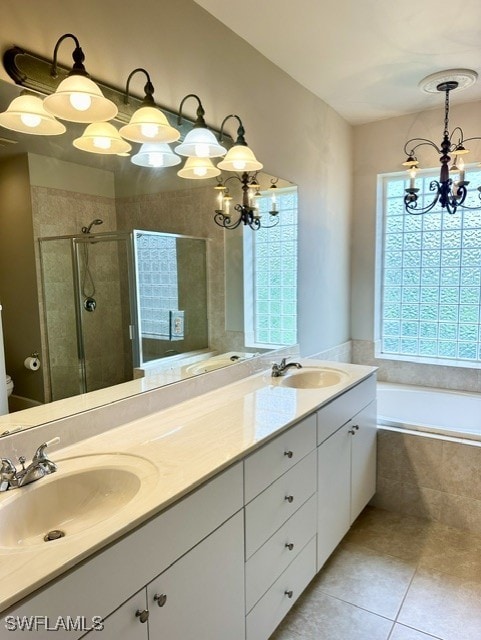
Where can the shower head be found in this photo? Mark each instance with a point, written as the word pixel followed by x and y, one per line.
pixel 94 222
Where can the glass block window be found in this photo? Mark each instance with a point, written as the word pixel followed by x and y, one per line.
pixel 431 275
pixel 156 267
pixel 271 315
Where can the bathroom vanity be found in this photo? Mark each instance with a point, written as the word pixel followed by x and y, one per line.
pixel 243 494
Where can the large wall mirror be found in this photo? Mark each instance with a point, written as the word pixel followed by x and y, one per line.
pixel 113 272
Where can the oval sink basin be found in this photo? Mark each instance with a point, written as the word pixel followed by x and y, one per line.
pixel 208 365
pixel 312 378
pixel 84 492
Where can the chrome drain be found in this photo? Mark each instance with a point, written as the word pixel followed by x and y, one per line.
pixel 55 534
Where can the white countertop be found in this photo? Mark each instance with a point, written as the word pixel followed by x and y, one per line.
pixel 182 447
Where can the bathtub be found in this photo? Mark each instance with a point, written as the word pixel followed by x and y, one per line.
pixel 450 413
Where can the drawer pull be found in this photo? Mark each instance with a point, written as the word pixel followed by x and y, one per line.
pixel 143 616
pixel 289 498
pixel 289 454
pixel 160 599
pixel 289 546
pixel 289 594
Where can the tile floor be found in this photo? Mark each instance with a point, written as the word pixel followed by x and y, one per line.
pixel 393 577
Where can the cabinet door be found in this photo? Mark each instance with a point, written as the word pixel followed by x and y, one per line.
pixel 201 596
pixel 363 475
pixel 334 488
pixel 126 623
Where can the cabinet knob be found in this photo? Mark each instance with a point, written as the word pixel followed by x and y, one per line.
pixel 289 498
pixel 353 429
pixel 289 594
pixel 289 454
pixel 143 616
pixel 289 546
pixel 160 599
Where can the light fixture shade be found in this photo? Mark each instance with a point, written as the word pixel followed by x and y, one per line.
pixel 201 143
pixel 198 169
pixel 101 137
pixel 240 158
pixel 155 155
pixel 79 99
pixel 26 114
pixel 149 124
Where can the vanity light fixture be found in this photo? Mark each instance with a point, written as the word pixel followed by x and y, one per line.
pixel 198 169
pixel 26 114
pixel 199 142
pixel 148 123
pixel 102 137
pixel 449 192
pixel 77 98
pixel 240 158
pixel 155 155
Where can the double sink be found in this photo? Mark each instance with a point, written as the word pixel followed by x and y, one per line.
pixel 88 490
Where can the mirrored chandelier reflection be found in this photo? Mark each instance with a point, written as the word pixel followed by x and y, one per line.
pixel 248 213
pixel 451 190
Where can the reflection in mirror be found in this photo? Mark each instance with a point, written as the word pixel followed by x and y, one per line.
pixel 77 290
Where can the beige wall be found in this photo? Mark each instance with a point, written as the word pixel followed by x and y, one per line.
pixel 378 148
pixel 296 135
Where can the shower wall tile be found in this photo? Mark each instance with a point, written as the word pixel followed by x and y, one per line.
pixel 429 477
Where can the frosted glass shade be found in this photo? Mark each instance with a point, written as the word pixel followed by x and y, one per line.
pixel 198 169
pixel 26 114
pixel 240 158
pixel 201 143
pixel 155 155
pixel 79 99
pixel 149 124
pixel 101 137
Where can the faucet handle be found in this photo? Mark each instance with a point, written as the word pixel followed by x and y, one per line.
pixel 7 467
pixel 40 453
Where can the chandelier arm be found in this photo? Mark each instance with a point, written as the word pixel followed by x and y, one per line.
pixel 461 139
pixel 470 139
pixel 411 204
pixel 421 142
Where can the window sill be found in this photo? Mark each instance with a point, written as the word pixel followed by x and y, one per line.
pixel 443 362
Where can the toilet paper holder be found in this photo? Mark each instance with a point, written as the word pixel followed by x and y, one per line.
pixel 32 362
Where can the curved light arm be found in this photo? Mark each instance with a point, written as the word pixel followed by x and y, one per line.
pixel 240 130
pixel 77 55
pixel 200 122
pixel 148 100
pixel 421 142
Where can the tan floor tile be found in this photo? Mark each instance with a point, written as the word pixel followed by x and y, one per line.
pixel 367 579
pixel 453 551
pixel 400 632
pixel 319 617
pixel 442 605
pixel 389 532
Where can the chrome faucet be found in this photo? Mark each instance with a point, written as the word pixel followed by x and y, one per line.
pixel 280 369
pixel 41 465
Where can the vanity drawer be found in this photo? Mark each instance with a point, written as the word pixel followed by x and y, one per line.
pixel 343 408
pixel 268 512
pixel 275 458
pixel 275 604
pixel 268 562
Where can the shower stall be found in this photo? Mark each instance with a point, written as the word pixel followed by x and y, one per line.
pixel 89 302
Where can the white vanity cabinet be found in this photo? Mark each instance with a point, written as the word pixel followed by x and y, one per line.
pixel 346 460
pixel 200 597
pixel 280 526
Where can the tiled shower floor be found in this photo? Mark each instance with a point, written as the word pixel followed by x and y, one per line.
pixel 393 577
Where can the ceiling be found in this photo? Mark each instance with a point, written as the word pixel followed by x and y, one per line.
pixel 365 58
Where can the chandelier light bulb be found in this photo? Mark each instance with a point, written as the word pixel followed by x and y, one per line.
pixel 239 165
pixel 200 171
pixel 156 159
pixel 202 150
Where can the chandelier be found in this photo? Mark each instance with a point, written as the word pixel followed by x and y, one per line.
pixel 248 212
pixel 450 193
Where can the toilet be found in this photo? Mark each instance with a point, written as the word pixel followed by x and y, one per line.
pixel 9 385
